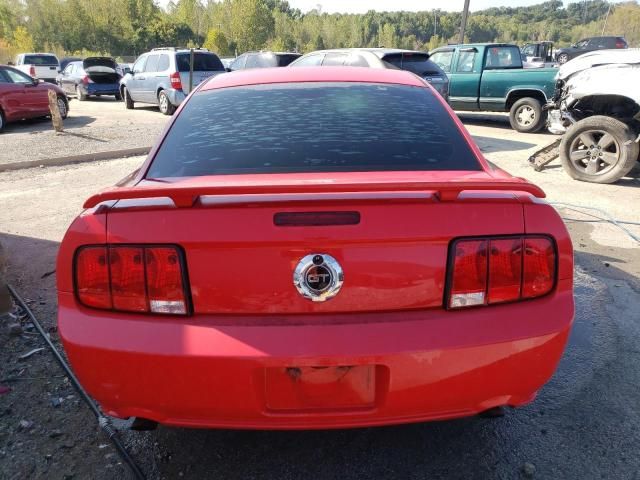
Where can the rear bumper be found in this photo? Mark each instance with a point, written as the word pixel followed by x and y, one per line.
pixel 215 372
pixel 101 88
pixel 176 97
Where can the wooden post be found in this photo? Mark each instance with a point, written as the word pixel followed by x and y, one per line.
pixel 56 118
pixel 463 24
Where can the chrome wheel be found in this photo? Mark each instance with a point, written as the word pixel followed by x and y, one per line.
pixel 62 107
pixel 594 152
pixel 164 103
pixel 526 115
pixel 563 58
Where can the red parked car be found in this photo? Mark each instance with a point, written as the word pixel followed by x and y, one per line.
pixel 22 96
pixel 315 248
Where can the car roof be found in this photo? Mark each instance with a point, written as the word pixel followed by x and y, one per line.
pixel 324 74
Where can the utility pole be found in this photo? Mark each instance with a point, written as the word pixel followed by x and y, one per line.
pixel 463 25
pixel 605 19
pixel 435 23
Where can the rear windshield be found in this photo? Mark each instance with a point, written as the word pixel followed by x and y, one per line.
pixel 312 127
pixel 47 60
pixel 417 63
pixel 202 62
pixel 284 60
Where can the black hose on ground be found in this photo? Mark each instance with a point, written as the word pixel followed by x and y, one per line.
pixel 103 421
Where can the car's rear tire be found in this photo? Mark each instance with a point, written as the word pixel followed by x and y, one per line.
pixel 2 121
pixel 526 115
pixel 599 149
pixel 563 58
pixel 118 97
pixel 63 107
pixel 128 102
pixel 81 96
pixel 165 106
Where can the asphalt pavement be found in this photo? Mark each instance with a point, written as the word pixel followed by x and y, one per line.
pixel 584 424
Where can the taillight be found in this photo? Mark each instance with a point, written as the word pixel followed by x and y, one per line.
pixel 86 80
pixel 487 271
pixel 175 80
pixel 620 44
pixel 132 278
pixel 32 71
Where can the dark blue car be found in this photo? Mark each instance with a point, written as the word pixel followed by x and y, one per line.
pixel 93 76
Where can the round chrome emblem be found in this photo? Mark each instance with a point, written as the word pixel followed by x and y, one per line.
pixel 318 277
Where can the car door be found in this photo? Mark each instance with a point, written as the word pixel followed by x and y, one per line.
pixel 35 97
pixel 12 98
pixel 148 83
pixel 464 85
pixel 134 81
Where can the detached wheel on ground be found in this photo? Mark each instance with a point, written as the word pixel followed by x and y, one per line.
pixel 63 107
pixel 563 58
pixel 81 96
pixel 128 102
pixel 526 115
pixel 599 149
pixel 166 107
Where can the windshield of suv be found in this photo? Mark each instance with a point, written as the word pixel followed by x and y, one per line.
pixel 202 62
pixel 312 127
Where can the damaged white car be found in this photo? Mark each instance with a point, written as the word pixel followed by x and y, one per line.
pixel 597 107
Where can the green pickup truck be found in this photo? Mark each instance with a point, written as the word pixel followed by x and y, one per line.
pixel 490 77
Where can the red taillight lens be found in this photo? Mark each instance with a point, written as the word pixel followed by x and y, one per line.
pixel 620 44
pixel 469 280
pixel 92 277
pixel 132 278
pixel 32 71
pixel 504 269
pixel 86 80
pixel 175 81
pixel 539 267
pixel 164 281
pixel 127 279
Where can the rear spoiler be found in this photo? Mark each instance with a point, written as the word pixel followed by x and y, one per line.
pixel 184 196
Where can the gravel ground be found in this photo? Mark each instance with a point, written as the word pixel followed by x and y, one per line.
pixel 96 125
pixel 584 424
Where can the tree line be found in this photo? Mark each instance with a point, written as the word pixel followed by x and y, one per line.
pixel 130 27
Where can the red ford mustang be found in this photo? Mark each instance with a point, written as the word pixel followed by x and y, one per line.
pixel 315 248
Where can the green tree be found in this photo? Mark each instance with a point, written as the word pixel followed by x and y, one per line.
pixel 251 24
pixel 217 42
pixel 22 40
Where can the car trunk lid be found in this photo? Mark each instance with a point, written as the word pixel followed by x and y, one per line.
pixel 241 255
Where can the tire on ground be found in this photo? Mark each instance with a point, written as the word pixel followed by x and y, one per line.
pixel 539 119
pixel 128 102
pixel 623 135
pixel 166 107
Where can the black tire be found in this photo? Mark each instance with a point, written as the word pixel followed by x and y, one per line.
pixel 81 96
pixel 128 103
pixel 526 115
pixel 2 121
pixel 599 149
pixel 563 58
pixel 165 106
pixel 63 106
pixel 118 97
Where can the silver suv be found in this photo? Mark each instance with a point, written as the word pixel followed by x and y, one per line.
pixel 161 77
